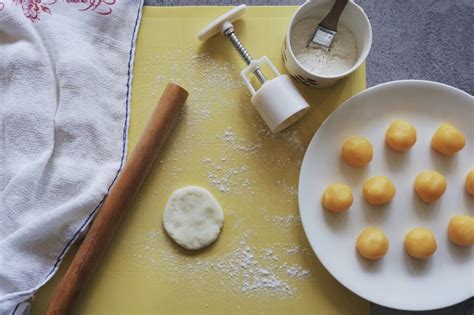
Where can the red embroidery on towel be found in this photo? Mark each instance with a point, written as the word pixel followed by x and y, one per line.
pixel 101 7
pixel 33 8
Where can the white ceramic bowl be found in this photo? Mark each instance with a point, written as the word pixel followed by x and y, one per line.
pixel 353 17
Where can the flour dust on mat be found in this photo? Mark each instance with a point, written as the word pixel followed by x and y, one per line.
pixel 246 269
pixel 225 178
pixel 225 146
pixel 284 222
pixel 339 59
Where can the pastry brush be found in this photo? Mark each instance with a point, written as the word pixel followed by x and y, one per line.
pixel 324 34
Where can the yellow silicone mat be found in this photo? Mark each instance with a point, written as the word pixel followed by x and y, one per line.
pixel 262 262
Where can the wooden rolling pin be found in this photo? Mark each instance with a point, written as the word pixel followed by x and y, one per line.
pixel 119 199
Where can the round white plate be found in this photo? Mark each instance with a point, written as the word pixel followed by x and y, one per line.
pixel 397 280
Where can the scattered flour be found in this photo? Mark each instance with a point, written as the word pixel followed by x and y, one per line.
pixel 248 275
pixel 282 222
pixel 227 179
pixel 288 137
pixel 270 255
pixel 244 269
pixel 240 268
pixel 296 271
pixel 289 189
pixel 295 250
pixel 287 221
pixel 237 144
pixel 230 178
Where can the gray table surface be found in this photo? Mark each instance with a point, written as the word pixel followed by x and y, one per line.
pixel 413 39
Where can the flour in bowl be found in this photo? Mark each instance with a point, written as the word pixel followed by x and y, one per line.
pixel 340 58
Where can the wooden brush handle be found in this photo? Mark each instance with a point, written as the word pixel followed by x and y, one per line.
pixel 119 199
pixel 331 20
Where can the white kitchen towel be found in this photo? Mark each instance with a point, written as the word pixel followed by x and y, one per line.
pixel 65 79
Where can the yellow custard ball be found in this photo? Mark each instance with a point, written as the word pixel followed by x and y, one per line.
pixel 430 185
pixel 357 151
pixel 372 243
pixel 420 243
pixel 378 190
pixel 448 140
pixel 461 230
pixel 469 183
pixel 400 135
pixel 337 197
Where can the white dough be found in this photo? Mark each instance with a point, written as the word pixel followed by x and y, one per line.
pixel 192 217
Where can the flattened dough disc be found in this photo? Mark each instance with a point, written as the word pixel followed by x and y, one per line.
pixel 192 217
